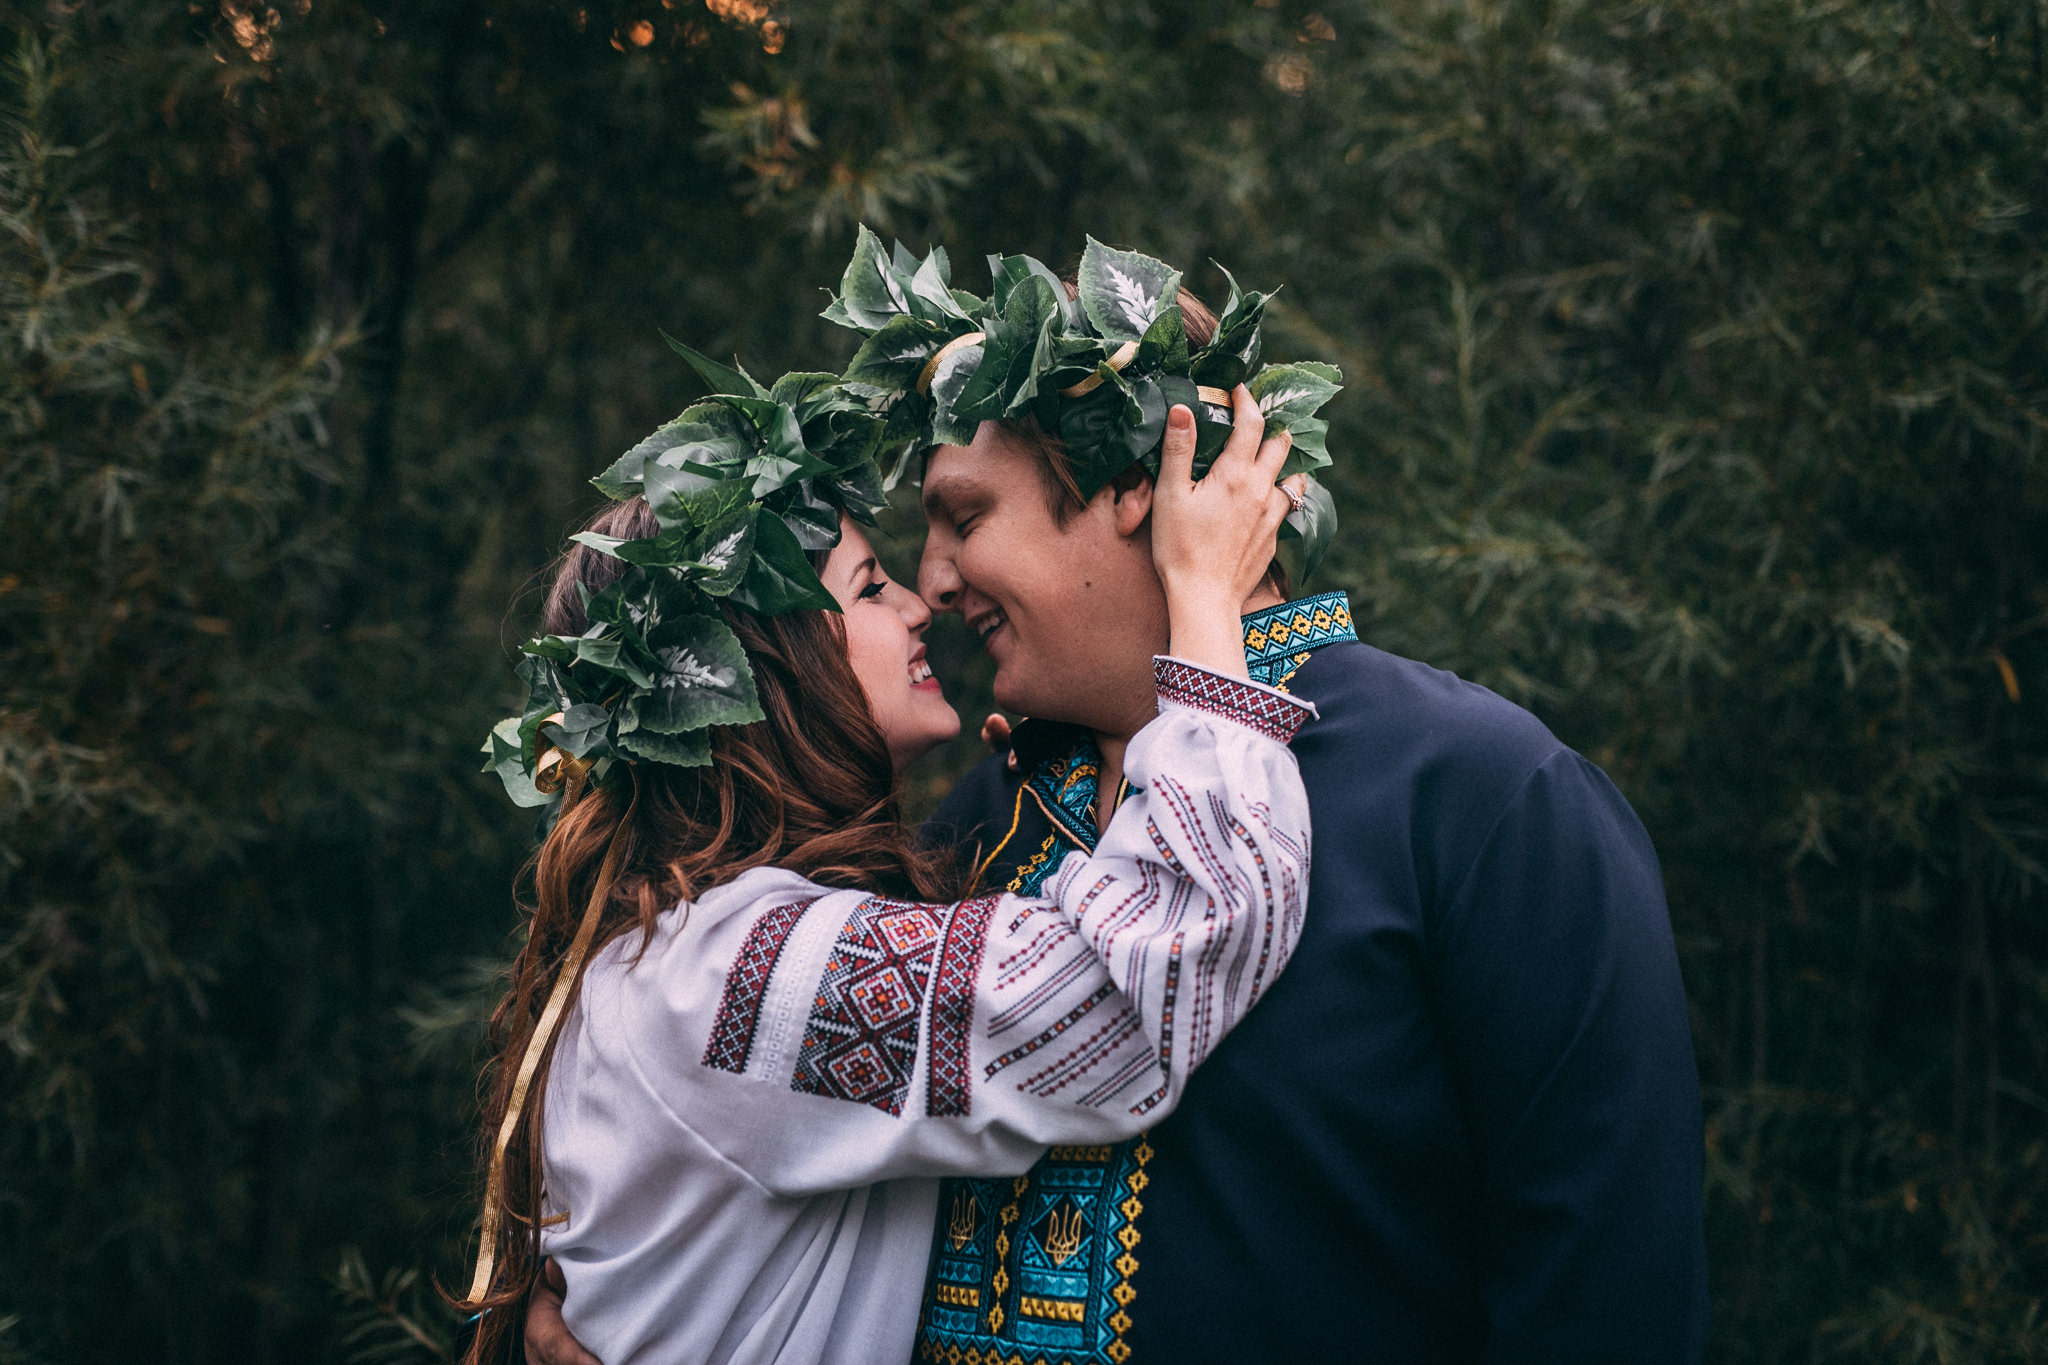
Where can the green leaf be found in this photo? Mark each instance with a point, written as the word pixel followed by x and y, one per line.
pixel 702 678
pixel 502 751
pixel 868 292
pixel 1287 393
pixel 929 292
pixel 1164 345
pixel 809 515
pixel 798 386
pixel 1305 535
pixel 705 434
pixel 690 749
pixel 581 729
pixel 860 491
pixel 948 384
pixel 723 379
pixel 1122 292
pixel 721 552
pixel 781 577
pixel 1233 353
pixel 690 497
pixel 894 355
pixel 1008 272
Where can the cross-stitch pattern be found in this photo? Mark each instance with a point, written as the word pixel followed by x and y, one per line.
pixel 746 986
pixel 1280 639
pixel 860 1042
pixel 1267 712
pixel 953 1006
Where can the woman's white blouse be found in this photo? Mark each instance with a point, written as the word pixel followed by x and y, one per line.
pixel 746 1122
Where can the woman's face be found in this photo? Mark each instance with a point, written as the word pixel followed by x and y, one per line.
pixel 885 624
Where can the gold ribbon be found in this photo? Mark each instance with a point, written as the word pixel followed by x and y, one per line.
pixel 557 767
pixel 931 367
pixel 1125 354
pixel 550 1017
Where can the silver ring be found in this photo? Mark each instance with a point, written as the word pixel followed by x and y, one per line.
pixel 1292 497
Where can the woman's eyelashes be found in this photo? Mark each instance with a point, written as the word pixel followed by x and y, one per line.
pixel 873 589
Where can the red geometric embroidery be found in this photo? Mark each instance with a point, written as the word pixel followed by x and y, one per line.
pixel 860 1042
pixel 1270 713
pixel 746 986
pixel 948 1093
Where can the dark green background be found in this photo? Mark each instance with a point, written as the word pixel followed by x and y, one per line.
pixel 1698 385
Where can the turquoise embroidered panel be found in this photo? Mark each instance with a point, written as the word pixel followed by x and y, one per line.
pixel 1278 640
pixel 1040 1269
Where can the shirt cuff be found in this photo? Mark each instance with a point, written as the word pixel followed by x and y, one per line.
pixel 1268 710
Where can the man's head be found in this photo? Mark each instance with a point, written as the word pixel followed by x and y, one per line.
pixel 1064 597
pixel 1060 587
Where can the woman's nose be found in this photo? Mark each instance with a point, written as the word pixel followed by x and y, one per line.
pixel 916 614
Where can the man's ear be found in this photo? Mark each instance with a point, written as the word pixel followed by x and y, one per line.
pixel 1131 500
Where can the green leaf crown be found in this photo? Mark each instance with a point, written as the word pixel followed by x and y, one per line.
pixel 1098 369
pixel 745 486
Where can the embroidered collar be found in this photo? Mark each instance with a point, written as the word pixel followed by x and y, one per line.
pixel 1061 761
pixel 1278 640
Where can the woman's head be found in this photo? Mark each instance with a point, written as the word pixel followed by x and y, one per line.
pixel 879 632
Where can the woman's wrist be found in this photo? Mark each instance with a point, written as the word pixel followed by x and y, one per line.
pixel 1210 635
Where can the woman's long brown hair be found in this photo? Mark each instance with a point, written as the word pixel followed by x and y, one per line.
pixel 809 788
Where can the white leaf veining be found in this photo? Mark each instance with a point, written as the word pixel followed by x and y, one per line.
pixel 1130 296
pixel 1281 397
pixel 720 555
pixel 682 669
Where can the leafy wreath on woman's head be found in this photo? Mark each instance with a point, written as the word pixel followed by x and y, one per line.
pixel 1099 369
pixel 745 486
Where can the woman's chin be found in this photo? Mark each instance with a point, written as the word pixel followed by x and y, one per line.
pixel 905 751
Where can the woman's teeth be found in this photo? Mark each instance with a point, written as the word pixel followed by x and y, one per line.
pixel 920 672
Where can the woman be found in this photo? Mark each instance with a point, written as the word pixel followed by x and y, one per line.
pixel 751 1097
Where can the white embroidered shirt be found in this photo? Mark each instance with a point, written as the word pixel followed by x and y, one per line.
pixel 745 1123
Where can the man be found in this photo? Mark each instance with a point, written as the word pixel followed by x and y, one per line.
pixel 1463 1126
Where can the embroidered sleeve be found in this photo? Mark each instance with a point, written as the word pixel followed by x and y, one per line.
pixel 1268 710
pixel 857 1038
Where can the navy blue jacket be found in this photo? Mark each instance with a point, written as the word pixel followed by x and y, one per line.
pixel 1464 1126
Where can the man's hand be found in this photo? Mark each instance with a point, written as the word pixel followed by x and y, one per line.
pixel 995 732
pixel 548 1341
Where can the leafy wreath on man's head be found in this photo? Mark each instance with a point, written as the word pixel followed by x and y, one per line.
pixel 1098 369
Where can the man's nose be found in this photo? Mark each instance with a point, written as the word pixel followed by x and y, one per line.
pixel 938 581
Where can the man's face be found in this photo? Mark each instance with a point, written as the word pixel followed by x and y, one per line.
pixel 1072 614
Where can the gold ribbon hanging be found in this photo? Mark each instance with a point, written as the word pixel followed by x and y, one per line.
pixel 550 1017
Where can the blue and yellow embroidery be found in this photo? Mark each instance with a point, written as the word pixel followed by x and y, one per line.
pixel 1278 640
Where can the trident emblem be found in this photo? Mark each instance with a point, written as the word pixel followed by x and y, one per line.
pixel 960 1223
pixel 1063 1235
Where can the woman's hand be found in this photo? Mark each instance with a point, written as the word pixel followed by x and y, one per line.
pixel 1212 541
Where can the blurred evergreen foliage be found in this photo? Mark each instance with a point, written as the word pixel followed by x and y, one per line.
pixel 1698 388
